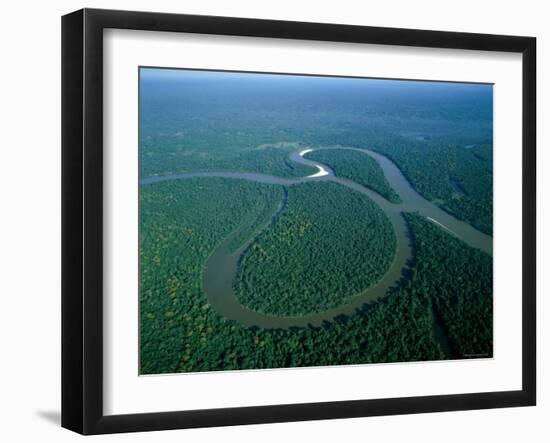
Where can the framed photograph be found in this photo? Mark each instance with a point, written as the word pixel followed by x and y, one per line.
pixel 269 221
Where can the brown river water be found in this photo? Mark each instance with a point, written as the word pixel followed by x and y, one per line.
pixel 221 267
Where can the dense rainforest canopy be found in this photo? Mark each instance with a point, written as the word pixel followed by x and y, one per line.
pixel 441 309
pixel 439 134
pixel 302 248
pixel 328 244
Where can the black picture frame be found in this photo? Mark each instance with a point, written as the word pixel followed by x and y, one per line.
pixel 82 220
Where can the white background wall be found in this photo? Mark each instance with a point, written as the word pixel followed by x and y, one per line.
pixel 30 218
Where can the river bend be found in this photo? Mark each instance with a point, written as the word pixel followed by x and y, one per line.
pixel 222 265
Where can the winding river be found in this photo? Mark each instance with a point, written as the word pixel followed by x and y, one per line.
pixel 221 266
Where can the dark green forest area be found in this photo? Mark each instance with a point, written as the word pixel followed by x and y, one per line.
pixel 328 244
pixel 438 134
pixel 180 332
pixel 180 224
pixel 459 281
pixel 357 167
